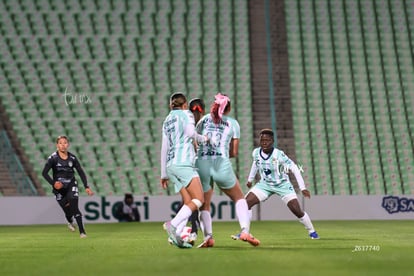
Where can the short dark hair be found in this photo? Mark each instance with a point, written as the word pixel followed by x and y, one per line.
pixel 267 131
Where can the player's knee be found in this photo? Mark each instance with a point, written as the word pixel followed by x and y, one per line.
pixel 197 202
pixel 290 199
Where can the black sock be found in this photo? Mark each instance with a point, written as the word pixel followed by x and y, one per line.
pixel 80 224
pixel 194 222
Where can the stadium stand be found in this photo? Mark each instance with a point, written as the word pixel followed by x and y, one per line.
pixel 101 72
pixel 12 171
pixel 348 63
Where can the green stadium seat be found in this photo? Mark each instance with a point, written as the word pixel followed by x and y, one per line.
pixel 127 57
pixel 372 43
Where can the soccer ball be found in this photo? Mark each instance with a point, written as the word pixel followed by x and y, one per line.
pixel 185 234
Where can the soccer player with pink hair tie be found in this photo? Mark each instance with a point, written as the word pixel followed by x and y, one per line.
pixel 214 166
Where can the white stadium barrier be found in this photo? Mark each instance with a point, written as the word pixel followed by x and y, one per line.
pixel 96 209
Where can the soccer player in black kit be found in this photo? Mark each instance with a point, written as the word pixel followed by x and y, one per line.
pixel 65 186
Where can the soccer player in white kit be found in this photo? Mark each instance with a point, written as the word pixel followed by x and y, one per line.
pixel 214 165
pixel 273 166
pixel 177 164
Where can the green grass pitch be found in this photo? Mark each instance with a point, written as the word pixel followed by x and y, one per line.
pixel 345 248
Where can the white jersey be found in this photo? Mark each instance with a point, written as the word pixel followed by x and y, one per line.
pixel 273 168
pixel 180 148
pixel 219 136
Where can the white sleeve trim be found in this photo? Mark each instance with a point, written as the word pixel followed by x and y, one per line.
pixel 164 151
pixel 294 168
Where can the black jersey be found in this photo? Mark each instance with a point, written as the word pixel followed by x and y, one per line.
pixel 63 170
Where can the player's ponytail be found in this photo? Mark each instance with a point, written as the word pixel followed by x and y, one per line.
pixel 219 107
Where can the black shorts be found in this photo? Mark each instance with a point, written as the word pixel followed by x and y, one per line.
pixel 64 195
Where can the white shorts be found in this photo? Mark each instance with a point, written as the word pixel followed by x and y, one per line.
pixel 284 190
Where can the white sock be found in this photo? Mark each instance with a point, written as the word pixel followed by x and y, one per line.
pixel 242 212
pixel 205 219
pixel 182 216
pixel 181 226
pixel 250 214
pixel 306 221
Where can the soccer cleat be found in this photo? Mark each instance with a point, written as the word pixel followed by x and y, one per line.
pixel 183 244
pixel 314 236
pixel 249 238
pixel 235 237
pixel 83 235
pixel 208 242
pixel 171 232
pixel 72 226
pixel 173 238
